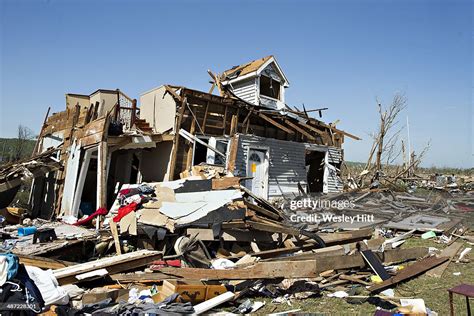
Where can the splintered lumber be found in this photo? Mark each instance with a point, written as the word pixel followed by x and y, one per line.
pixel 113 264
pixel 43 263
pixel 449 252
pixel 262 201
pixel 410 272
pixel 273 269
pixel 261 210
pixel 225 183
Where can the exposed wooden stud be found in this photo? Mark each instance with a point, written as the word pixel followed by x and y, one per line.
pixel 189 154
pixel 225 119
pixel 299 129
pixel 174 152
pixel 205 117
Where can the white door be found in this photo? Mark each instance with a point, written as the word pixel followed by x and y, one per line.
pixel 257 168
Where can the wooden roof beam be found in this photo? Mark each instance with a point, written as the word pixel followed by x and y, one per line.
pixel 299 129
pixel 272 121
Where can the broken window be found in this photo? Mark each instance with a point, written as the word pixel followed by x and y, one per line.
pixel 269 87
pixel 222 147
pixel 200 151
pixel 207 155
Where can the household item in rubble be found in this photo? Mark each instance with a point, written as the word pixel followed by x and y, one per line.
pixel 25 231
pixel 44 235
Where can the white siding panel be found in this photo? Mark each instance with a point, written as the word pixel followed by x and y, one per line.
pixel 246 90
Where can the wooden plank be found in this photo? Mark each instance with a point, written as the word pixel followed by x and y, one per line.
pixel 173 93
pixel 336 129
pixel 189 154
pixel 262 270
pixel 261 210
pixel 402 255
pixel 113 264
pixel 272 121
pixel 234 143
pixel 409 272
pixel 233 125
pixel 42 262
pixel 102 175
pixel 205 117
pixel 114 231
pixel 213 302
pixel 300 129
pixel 449 252
pixel 225 183
pixel 345 237
pixel 176 139
pixel 314 129
pixel 225 120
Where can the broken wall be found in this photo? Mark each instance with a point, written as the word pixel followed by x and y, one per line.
pixel 158 109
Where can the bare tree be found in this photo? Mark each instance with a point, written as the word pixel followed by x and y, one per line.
pixel 21 142
pixel 386 140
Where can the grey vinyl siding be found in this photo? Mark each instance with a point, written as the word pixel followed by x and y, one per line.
pixel 286 163
pixel 246 90
pixel 334 180
pixel 334 155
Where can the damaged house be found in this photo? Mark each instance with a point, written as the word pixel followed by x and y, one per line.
pixel 106 139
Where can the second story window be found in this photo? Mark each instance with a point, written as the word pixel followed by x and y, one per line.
pixel 269 87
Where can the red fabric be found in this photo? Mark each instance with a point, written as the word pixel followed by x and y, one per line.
pixel 124 210
pixel 100 211
pixel 167 263
pixel 124 191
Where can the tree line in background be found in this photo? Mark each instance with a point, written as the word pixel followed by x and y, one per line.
pixel 14 149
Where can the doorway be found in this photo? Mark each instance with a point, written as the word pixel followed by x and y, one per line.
pixel 257 168
pixel 315 167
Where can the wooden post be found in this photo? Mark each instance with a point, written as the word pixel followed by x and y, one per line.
pixel 205 118
pixel 189 158
pixel 101 178
pixel 176 139
pixel 134 112
pixel 225 119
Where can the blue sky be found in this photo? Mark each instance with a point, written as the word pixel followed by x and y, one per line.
pixel 337 54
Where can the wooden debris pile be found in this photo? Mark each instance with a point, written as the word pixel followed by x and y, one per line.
pixel 194 244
